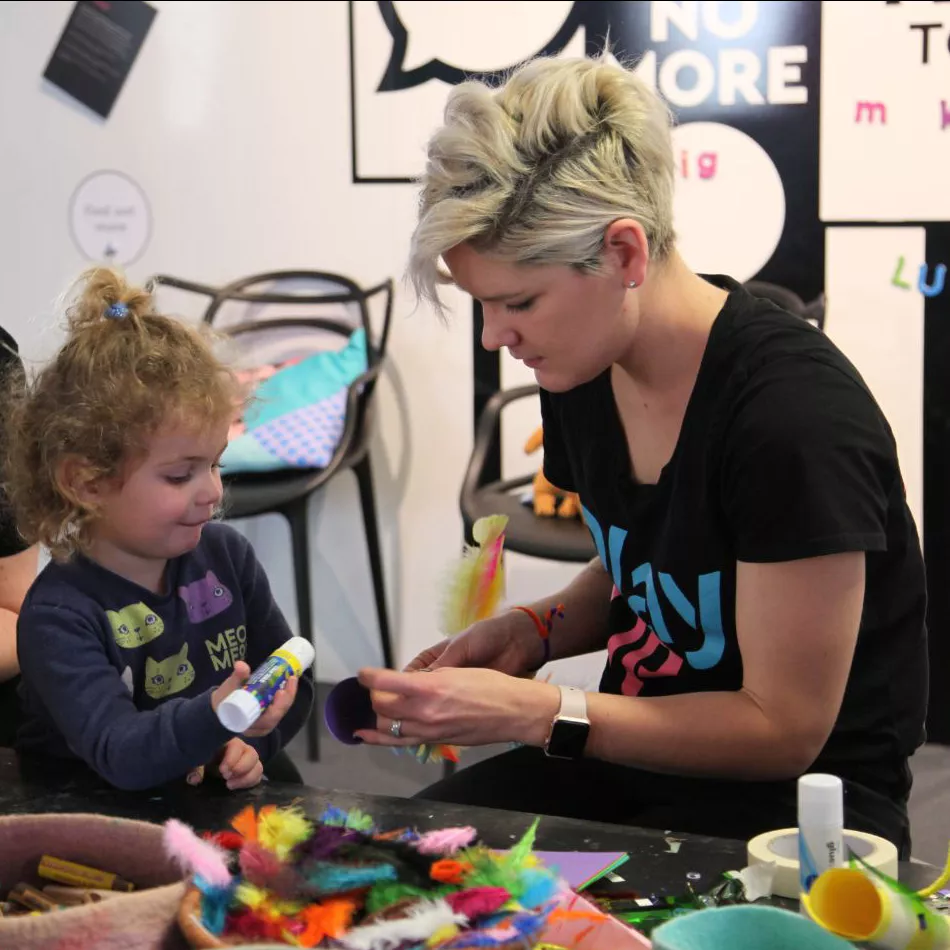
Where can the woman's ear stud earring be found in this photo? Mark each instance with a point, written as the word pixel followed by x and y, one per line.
pixel 632 283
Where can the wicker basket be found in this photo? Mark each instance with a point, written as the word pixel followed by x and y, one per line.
pixel 189 920
pixel 142 920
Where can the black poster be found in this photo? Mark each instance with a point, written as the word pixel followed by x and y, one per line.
pixel 755 69
pixel 936 528
pixel 97 49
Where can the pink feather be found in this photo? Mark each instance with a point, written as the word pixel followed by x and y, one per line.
pixel 445 840
pixel 478 901
pixel 201 858
pixel 259 864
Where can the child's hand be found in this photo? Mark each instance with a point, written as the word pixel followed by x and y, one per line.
pixel 272 715
pixel 238 764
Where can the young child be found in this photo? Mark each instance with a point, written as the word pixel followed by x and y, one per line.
pixel 149 614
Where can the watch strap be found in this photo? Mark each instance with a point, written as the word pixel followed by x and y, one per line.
pixel 573 703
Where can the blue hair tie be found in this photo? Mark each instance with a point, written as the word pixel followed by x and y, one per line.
pixel 117 311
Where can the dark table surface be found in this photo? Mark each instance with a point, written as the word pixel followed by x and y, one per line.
pixel 658 864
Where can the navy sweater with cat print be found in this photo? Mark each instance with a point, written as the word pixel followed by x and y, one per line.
pixel 122 678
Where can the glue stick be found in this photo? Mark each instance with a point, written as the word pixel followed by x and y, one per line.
pixel 820 827
pixel 244 706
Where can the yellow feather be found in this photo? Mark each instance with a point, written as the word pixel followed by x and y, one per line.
pixel 469 595
pixel 250 895
pixel 282 829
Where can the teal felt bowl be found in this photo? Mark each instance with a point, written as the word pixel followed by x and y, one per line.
pixel 745 927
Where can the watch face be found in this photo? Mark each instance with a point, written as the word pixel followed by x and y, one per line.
pixel 568 738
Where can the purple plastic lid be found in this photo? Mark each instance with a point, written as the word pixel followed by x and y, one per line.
pixel 348 708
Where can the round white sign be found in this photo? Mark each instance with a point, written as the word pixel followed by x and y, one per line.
pixel 109 218
pixel 729 204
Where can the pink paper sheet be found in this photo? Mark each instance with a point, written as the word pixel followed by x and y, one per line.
pixel 605 933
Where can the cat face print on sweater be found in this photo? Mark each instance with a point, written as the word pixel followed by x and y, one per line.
pixel 135 625
pixel 169 676
pixel 205 598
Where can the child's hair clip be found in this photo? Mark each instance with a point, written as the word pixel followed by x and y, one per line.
pixel 117 311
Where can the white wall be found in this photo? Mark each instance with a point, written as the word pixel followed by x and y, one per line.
pixel 235 121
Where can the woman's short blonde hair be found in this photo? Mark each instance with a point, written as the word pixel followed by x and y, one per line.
pixel 534 171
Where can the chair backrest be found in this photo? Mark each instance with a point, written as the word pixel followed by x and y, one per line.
pixel 287 312
pixel 813 312
pixel 270 318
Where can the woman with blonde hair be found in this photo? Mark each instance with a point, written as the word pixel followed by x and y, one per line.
pixel 759 587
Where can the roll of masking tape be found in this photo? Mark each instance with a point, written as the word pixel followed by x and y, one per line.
pixel 781 849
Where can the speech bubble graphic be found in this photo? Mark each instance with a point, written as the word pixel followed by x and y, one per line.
pixel 472 36
pixel 453 41
pixel 729 204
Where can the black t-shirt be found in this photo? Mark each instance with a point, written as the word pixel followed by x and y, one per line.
pixel 783 454
pixel 10 541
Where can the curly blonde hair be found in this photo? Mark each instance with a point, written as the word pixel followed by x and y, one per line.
pixel 533 172
pixel 124 372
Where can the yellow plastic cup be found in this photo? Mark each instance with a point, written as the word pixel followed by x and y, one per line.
pixel 863 908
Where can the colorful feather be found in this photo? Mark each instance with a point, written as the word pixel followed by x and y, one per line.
pixel 515 930
pixel 245 823
pixel 478 901
pixel 329 918
pixel 445 840
pixel 337 878
pixel 327 840
pixel 200 858
pixel 262 868
pixel 428 891
pixel 389 893
pixel 423 920
pixel 473 591
pixel 353 820
pixel 476 583
pixel 282 829
pixel 538 887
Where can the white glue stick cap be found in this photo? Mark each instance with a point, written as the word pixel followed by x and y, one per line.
pixel 302 649
pixel 820 801
pixel 239 711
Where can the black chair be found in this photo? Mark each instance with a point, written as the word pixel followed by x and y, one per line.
pixel 287 492
pixel 813 312
pixel 556 539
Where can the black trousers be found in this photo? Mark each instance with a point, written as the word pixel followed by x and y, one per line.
pixel 526 780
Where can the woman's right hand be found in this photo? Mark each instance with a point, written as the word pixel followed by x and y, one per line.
pixel 508 643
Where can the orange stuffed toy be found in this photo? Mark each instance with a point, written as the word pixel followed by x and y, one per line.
pixel 549 500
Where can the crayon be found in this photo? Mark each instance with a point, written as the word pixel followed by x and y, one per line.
pixel 31 898
pixel 67 872
pixel 70 896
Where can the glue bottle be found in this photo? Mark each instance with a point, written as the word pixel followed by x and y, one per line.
pixel 239 711
pixel 820 827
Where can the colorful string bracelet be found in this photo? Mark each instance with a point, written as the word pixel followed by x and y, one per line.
pixel 544 626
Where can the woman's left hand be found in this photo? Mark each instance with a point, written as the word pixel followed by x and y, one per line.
pixel 467 707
